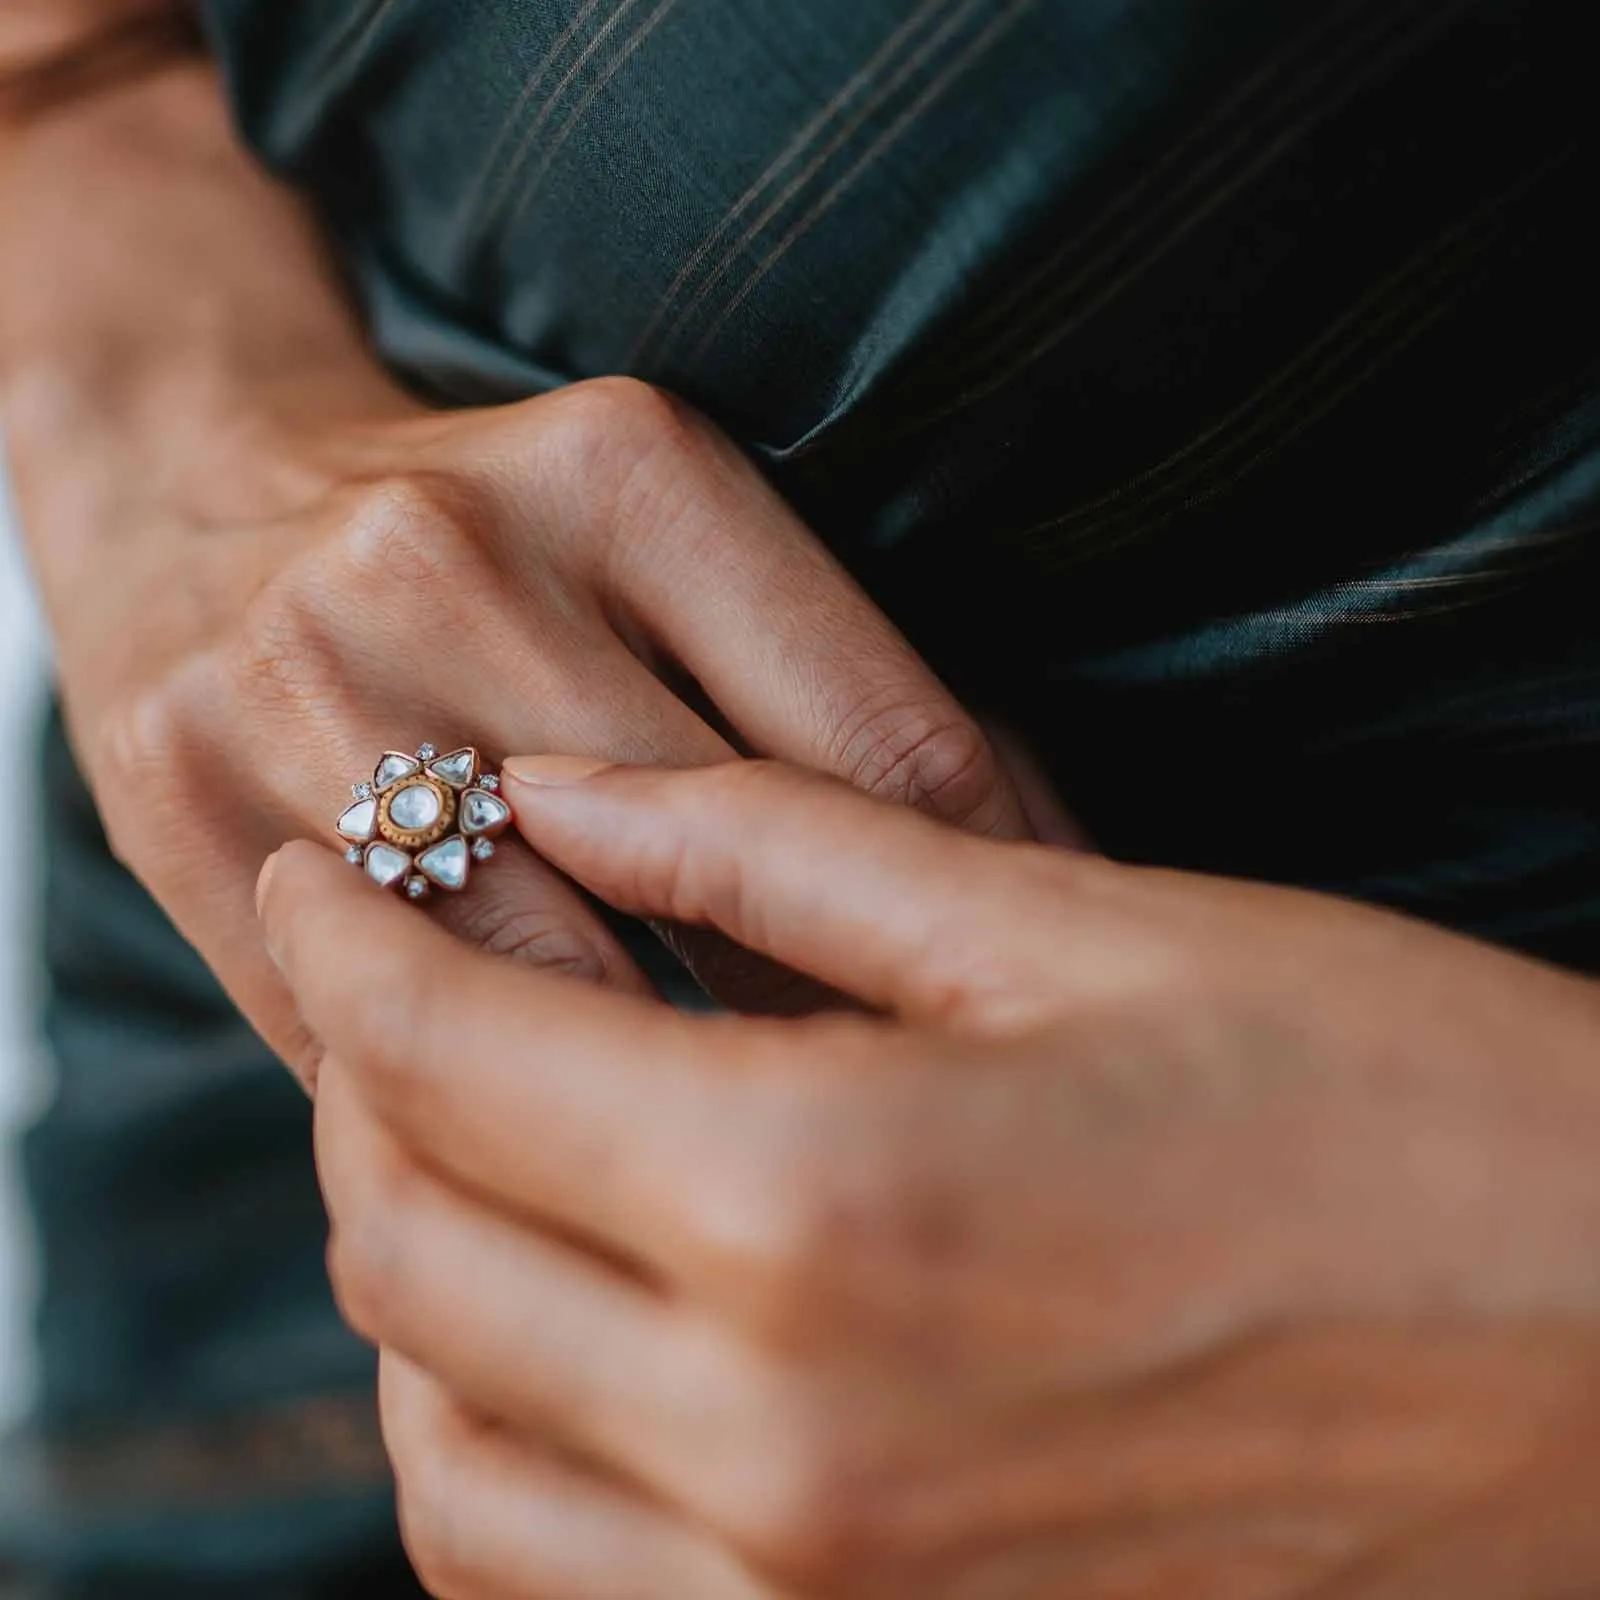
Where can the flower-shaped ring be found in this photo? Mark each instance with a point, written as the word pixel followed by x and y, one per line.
pixel 423 820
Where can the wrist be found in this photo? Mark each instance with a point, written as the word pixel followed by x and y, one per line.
pixel 170 327
pixel 55 52
pixel 93 455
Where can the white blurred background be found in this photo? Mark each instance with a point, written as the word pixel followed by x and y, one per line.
pixel 21 1069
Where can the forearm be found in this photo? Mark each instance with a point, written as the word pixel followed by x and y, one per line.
pixel 166 310
pixel 43 33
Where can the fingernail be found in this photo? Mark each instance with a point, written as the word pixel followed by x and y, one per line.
pixel 264 880
pixel 553 772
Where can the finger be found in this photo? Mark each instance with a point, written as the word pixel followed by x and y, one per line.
pixel 610 1115
pixel 291 688
pixel 409 613
pixel 715 566
pixel 497 1517
pixel 516 907
pixel 201 863
pixel 1049 821
pixel 519 1324
pixel 872 899
pixel 297 682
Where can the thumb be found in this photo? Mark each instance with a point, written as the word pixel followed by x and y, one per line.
pixel 873 899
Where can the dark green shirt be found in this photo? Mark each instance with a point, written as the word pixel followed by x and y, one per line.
pixel 1212 390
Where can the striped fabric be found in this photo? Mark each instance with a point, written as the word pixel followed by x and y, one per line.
pixel 1209 388
pixel 1212 391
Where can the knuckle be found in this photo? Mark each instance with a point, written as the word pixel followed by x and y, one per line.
pixel 809 1236
pixel 391 1024
pixel 926 756
pixel 303 1054
pixel 535 937
pixel 283 658
pixel 625 459
pixel 144 732
pixel 439 1468
pixel 409 534
pixel 423 1449
pixel 793 1472
pixel 810 1513
pixel 367 1253
pixel 146 752
pixel 616 419
pixel 431 1520
pixel 840 1230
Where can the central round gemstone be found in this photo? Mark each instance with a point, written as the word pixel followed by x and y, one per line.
pixel 415 808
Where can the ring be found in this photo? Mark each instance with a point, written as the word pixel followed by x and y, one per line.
pixel 422 820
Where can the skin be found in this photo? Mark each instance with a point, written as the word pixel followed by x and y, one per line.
pixel 1142 1234
pixel 265 563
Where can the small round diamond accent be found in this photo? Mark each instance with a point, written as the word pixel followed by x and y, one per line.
pixel 426 752
pixel 355 855
pixel 490 782
pixel 416 887
pixel 482 849
pixel 361 791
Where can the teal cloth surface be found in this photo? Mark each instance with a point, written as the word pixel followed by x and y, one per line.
pixel 1211 390
pixel 1208 386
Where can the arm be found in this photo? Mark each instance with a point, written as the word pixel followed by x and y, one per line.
pixel 158 294
pixel 51 55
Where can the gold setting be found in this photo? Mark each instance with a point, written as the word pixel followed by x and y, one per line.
pixel 443 855
pixel 417 838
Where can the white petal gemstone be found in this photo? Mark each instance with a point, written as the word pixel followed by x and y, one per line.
pixel 426 752
pixel 446 864
pixel 415 808
pixel 456 769
pixel 416 887
pixel 355 855
pixel 393 768
pixel 483 813
pixel 360 822
pixel 482 849
pixel 386 866
pixel 361 791
pixel 490 782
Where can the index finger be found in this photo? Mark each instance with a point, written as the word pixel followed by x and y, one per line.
pixel 606 1113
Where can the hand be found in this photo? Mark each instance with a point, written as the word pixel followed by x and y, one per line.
pixel 507 578
pixel 265 564
pixel 1154 1236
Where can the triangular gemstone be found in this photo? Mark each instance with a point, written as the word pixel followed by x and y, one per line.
pixel 360 822
pixel 386 866
pixel 393 768
pixel 458 769
pixel 483 813
pixel 446 864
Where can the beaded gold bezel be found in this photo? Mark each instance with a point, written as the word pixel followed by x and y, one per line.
pixel 440 855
